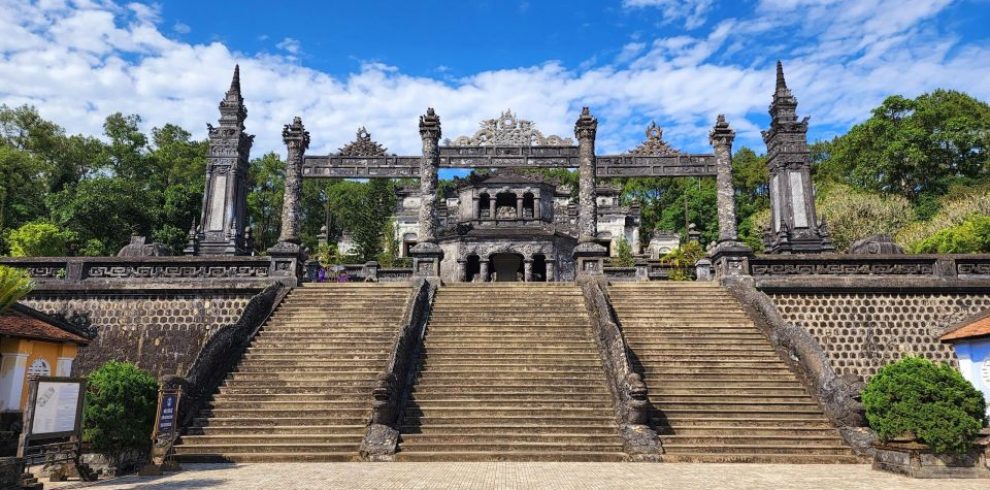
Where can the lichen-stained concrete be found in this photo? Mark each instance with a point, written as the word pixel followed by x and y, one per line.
pixel 526 476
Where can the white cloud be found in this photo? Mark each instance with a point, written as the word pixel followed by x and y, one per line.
pixel 181 28
pixel 290 45
pixel 79 64
pixel 692 12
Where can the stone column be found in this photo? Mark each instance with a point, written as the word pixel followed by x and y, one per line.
pixel 519 207
pixel 476 200
pixel 287 255
pixel 427 254
pixel 551 270
pixel 537 206
pixel 730 256
pixel 721 138
pixel 483 272
pixel 491 206
pixel 588 254
pixel 584 130
pixel 462 270
pixel 528 270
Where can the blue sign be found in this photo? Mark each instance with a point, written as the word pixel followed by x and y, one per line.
pixel 167 411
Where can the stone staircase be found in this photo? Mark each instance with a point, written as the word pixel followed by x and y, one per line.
pixel 720 391
pixel 510 372
pixel 302 392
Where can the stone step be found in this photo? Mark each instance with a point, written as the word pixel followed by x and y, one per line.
pixel 548 411
pixel 269 447
pixel 505 444
pixel 274 439
pixel 812 442
pixel 281 430
pixel 730 398
pixel 760 458
pixel 717 431
pixel 353 368
pixel 673 423
pixel 328 384
pixel 673 414
pixel 266 457
pixel 606 421
pixel 496 429
pixel 529 356
pixel 803 448
pixel 271 421
pixel 224 405
pixel 676 405
pixel 282 396
pixel 483 364
pixel 325 414
pixel 570 456
pixel 531 398
pixel 484 438
pixel 440 387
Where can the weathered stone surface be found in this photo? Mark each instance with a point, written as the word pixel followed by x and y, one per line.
pixel 584 130
pixel 917 461
pixel 875 245
pixel 296 140
pixel 380 442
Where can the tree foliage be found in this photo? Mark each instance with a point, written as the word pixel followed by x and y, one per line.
pixel 40 239
pixel 364 209
pixel 852 215
pixel 14 285
pixel 914 147
pixel 970 236
pixel 120 408
pixel 682 260
pixel 623 254
pixel 932 401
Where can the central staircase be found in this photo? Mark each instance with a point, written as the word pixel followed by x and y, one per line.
pixel 720 391
pixel 302 392
pixel 510 372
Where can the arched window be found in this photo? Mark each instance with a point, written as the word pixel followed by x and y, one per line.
pixel 39 368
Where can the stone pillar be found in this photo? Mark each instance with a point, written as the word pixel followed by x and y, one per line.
pixel 519 207
pixel 462 270
pixel 296 140
pixel 551 270
pixel 491 206
pixel 584 130
pixel 483 272
pixel 287 255
pixel 476 201
pixel 537 206
pixel 589 256
pixel 528 270
pixel 427 254
pixel 730 256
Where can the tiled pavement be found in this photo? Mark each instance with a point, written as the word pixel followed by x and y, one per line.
pixel 582 476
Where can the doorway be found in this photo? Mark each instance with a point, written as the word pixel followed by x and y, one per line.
pixel 507 267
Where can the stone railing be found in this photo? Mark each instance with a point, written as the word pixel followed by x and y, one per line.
pixel 382 436
pixel 222 352
pixel 629 392
pixel 367 272
pixel 58 272
pixel 865 271
pixel 652 270
pixel 839 396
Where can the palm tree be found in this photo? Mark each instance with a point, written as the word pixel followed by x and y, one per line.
pixel 14 285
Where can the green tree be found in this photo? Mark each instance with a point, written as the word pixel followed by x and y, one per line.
pixel 364 209
pixel 932 401
pixel 40 239
pixel 20 189
pixel 128 147
pixel 683 259
pixel 104 211
pixel 390 254
pixel 120 408
pixel 267 178
pixel 14 285
pixel 915 146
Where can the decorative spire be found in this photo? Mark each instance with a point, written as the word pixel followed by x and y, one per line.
pixel 232 109
pixel 781 83
pixel 654 144
pixel 721 133
pixel 429 125
pixel 586 125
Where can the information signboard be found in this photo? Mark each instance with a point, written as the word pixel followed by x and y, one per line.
pixel 56 408
pixel 168 409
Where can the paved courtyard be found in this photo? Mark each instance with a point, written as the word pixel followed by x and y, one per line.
pixel 526 476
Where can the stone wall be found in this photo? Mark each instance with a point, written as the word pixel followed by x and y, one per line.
pixel 160 331
pixel 863 331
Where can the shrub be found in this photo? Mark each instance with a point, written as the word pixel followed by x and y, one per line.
pixel 852 215
pixel 120 408
pixel 970 236
pixel 682 259
pixel 14 285
pixel 40 239
pixel 623 254
pixel 957 206
pixel 932 401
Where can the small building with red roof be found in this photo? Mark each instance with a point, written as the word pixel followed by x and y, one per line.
pixel 971 341
pixel 33 344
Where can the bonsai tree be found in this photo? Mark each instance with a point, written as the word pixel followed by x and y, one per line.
pixel 931 401
pixel 682 259
pixel 120 408
pixel 14 285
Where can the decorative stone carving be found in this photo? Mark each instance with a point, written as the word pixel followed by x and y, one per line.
pixel 507 130
pixel 654 144
pixel 875 245
pixel 138 248
pixel 362 146
pixel 296 140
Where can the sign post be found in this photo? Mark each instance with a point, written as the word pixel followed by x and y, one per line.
pixel 165 432
pixel 53 422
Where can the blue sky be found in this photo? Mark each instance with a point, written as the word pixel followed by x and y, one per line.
pixel 341 65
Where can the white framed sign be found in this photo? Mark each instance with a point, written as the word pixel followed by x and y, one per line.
pixel 55 407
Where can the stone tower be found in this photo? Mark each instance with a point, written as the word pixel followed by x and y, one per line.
pixel 224 218
pixel 794 221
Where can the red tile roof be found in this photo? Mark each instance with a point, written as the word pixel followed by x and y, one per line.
pixel 970 329
pixel 17 323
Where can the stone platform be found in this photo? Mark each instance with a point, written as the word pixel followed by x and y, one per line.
pixel 583 476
